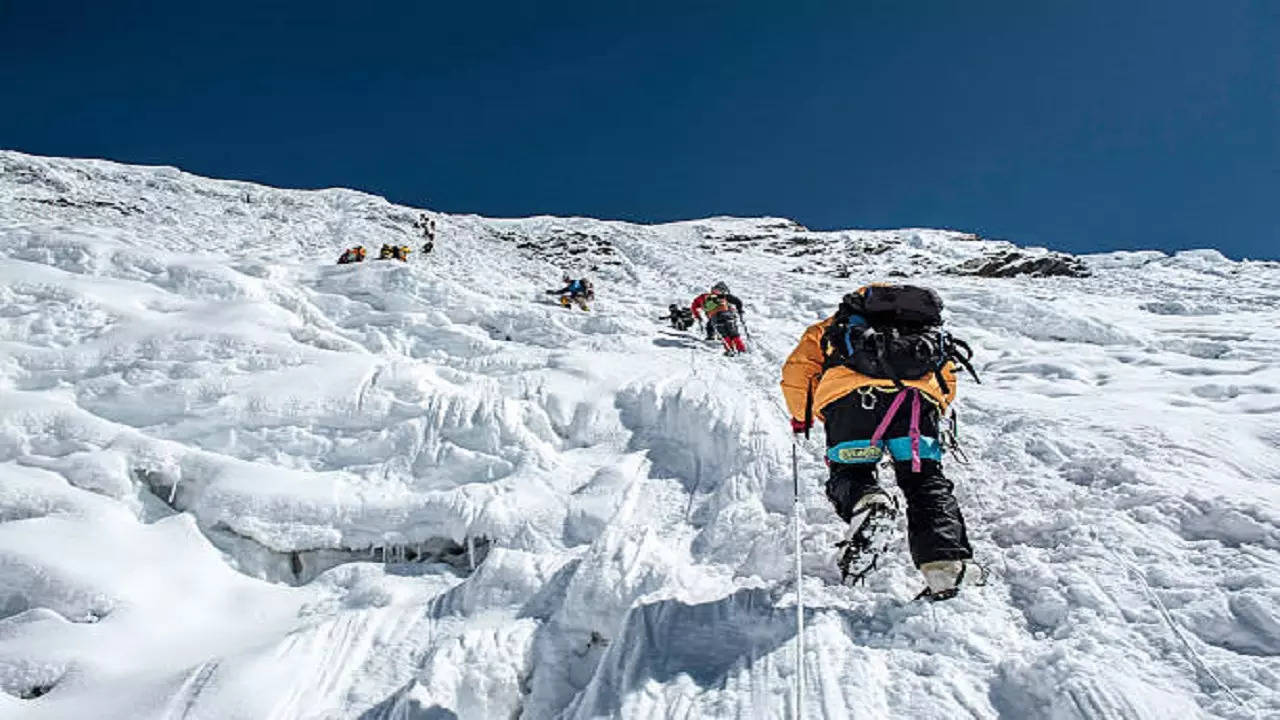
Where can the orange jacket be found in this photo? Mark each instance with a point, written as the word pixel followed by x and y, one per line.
pixel 803 368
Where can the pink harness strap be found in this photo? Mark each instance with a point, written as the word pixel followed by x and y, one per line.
pixel 883 427
pixel 914 431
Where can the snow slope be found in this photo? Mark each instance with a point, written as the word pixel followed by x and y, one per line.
pixel 238 481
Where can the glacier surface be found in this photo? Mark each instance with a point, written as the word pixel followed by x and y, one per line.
pixel 238 481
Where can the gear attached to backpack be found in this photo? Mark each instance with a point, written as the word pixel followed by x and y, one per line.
pixel 894 332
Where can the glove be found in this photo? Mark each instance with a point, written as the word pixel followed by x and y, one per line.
pixel 799 426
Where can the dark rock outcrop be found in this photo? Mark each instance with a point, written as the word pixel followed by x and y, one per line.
pixel 567 248
pixel 1013 263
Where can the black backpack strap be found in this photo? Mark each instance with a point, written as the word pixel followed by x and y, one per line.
pixel 808 405
pixel 828 340
pixel 942 382
pixel 962 354
pixel 883 360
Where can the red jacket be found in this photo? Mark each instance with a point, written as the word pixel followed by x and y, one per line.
pixel 701 300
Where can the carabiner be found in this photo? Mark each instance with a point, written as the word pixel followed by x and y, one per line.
pixel 868 397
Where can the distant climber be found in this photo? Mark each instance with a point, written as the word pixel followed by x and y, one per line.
pixel 708 328
pixel 427 225
pixel 880 374
pixel 680 318
pixel 352 255
pixel 575 292
pixel 395 252
pixel 724 314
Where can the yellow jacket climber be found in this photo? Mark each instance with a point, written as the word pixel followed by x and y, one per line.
pixel 803 373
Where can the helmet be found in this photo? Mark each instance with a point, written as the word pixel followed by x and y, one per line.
pixel 566 278
pixel 673 307
pixel 720 288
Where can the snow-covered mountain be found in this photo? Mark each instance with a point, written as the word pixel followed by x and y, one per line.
pixel 239 481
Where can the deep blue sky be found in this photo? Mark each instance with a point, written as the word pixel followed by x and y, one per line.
pixel 1080 125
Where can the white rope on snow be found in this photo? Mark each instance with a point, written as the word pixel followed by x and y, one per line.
pixel 795 478
pixel 1192 654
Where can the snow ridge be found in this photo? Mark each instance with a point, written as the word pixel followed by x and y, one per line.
pixel 238 481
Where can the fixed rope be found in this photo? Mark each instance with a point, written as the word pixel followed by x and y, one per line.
pixel 796 506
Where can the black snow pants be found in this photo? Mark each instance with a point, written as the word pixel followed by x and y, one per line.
pixel 935 526
pixel 726 323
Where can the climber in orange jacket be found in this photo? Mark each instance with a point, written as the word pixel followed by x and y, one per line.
pixel 352 255
pixel 880 374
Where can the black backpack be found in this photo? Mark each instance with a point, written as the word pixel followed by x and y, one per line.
pixel 894 332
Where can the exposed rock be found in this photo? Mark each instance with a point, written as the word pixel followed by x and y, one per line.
pixel 121 208
pixel 875 247
pixel 34 692
pixel 1012 263
pixel 567 248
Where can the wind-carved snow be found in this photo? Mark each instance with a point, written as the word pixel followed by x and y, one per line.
pixel 238 481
